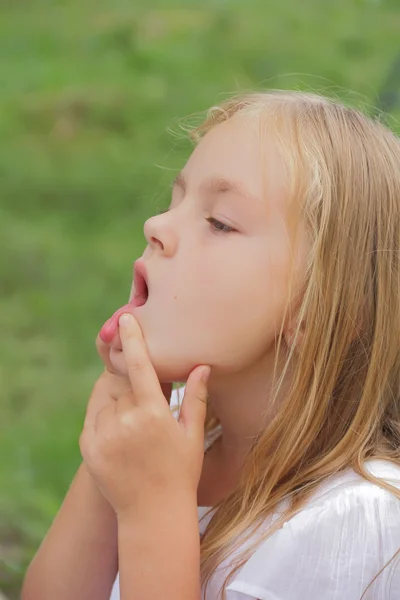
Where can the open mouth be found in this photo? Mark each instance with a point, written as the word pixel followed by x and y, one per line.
pixel 141 287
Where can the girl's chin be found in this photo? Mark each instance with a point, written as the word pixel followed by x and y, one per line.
pixel 165 373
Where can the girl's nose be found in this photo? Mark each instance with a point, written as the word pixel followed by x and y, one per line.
pixel 160 236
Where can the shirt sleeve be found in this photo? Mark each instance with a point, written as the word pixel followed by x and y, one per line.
pixel 115 589
pixel 330 551
pixel 176 401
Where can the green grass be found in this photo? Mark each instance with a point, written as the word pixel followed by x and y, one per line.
pixel 87 93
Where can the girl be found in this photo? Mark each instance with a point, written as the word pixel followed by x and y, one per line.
pixel 277 264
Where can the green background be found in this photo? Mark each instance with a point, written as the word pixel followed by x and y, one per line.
pixel 88 93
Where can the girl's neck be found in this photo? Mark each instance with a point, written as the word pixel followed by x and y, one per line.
pixel 218 479
pixel 242 404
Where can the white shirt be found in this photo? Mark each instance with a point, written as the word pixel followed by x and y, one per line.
pixel 330 550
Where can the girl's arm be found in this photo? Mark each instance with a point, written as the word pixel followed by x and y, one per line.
pixel 159 550
pixel 78 558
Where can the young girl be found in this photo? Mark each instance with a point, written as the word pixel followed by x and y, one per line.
pixel 277 264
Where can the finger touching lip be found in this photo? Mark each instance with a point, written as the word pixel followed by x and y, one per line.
pixel 110 327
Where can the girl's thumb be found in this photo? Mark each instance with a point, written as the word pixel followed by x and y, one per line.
pixel 194 404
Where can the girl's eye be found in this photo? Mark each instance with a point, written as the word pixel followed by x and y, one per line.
pixel 215 224
pixel 218 226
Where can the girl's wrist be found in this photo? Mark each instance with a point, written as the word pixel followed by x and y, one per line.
pixel 168 503
pixel 91 489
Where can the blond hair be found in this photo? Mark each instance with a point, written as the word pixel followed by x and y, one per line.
pixel 343 405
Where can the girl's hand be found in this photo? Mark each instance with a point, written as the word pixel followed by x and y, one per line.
pixel 103 350
pixel 134 447
pixel 105 392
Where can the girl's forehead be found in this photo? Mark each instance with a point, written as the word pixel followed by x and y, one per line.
pixel 236 155
pixel 234 150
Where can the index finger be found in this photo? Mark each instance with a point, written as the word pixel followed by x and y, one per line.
pixel 103 351
pixel 144 381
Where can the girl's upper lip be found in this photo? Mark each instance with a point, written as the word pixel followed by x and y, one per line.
pixel 140 274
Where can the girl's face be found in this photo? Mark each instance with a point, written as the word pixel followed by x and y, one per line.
pixel 217 296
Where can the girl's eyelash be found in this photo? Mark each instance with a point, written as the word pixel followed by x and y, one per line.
pixel 223 229
pixel 216 225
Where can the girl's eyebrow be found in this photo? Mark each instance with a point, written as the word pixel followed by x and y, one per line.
pixel 218 185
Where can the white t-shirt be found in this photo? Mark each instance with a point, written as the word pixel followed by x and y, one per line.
pixel 331 550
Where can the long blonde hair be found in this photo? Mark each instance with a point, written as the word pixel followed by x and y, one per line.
pixel 343 405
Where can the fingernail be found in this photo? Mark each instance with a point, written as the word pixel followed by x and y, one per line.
pixel 125 320
pixel 205 375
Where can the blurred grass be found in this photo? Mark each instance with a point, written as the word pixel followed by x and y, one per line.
pixel 87 92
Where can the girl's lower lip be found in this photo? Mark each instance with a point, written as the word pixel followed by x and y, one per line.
pixel 138 301
pixel 110 327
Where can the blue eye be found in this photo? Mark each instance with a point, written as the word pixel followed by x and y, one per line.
pixel 218 226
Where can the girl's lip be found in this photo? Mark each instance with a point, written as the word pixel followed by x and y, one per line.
pixel 141 278
pixel 110 327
